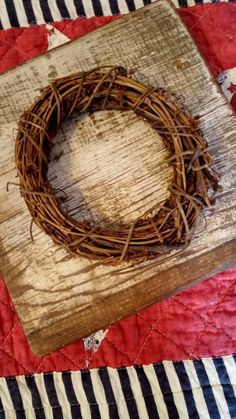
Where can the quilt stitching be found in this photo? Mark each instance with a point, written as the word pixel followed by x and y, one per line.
pixel 149 334
pixel 12 46
pixel 212 322
pixel 26 370
pixel 118 349
pixel 211 314
pixel 70 359
pixel 157 330
pixel 10 332
pixel 201 24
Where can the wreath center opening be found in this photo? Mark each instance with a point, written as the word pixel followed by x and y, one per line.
pixel 112 165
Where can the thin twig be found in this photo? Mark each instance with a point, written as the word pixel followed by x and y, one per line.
pixel 165 226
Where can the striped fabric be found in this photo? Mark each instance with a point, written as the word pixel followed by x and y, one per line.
pixel 15 13
pixel 200 389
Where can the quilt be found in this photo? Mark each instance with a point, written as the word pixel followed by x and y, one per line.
pixel 126 360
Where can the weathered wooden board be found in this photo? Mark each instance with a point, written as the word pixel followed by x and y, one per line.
pixel 113 165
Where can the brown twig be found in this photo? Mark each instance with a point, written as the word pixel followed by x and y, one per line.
pixel 173 221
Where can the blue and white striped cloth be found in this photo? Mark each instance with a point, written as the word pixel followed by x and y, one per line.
pixel 199 389
pixel 15 13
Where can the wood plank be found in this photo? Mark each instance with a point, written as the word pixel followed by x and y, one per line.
pixel 113 165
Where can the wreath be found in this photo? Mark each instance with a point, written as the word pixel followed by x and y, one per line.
pixel 162 228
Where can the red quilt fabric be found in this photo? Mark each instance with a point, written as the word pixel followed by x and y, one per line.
pixel 199 322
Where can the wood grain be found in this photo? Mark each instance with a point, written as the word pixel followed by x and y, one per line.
pixel 103 160
pixel 113 166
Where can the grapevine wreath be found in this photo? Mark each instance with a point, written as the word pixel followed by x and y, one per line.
pixel 159 230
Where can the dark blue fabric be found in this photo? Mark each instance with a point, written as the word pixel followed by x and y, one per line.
pixel 131 5
pixel 63 9
pixel 97 8
pixel 105 380
pixel 29 11
pixel 16 398
pixel 114 7
pixel 2 414
pixel 36 399
pixel 71 396
pixel 11 11
pixel 187 390
pixel 147 393
pixel 79 7
pixel 226 385
pixel 52 396
pixel 88 388
pixel 46 11
pixel 207 390
pixel 128 393
pixel 166 391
